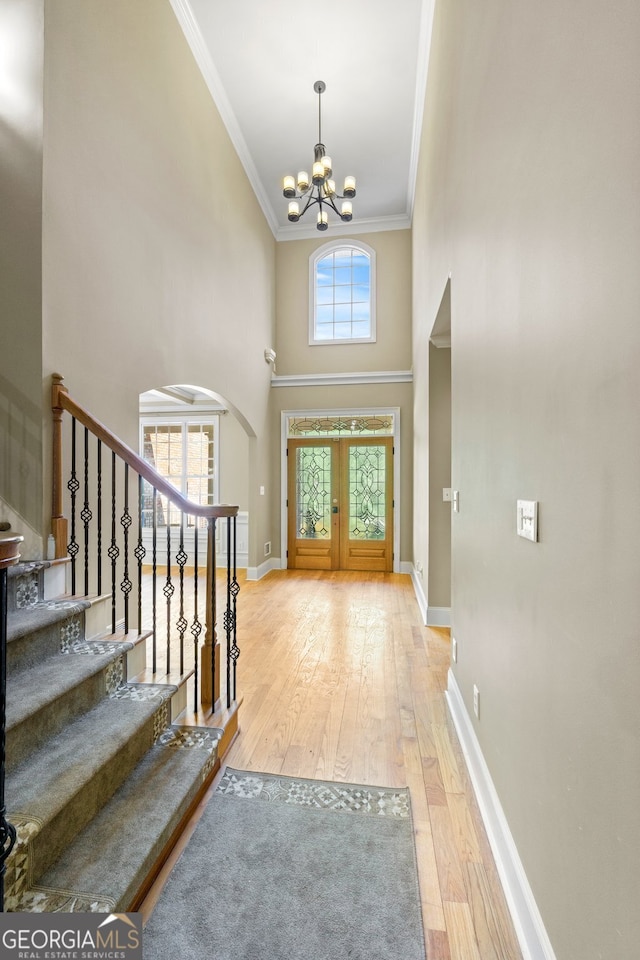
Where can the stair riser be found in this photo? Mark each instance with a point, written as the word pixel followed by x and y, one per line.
pixel 24 587
pixel 27 652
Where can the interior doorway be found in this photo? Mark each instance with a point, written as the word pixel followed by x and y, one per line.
pixel 340 503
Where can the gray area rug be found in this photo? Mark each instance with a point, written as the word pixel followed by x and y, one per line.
pixel 289 869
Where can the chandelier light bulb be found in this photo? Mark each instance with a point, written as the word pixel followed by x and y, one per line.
pixel 326 163
pixel 294 211
pixel 318 173
pixel 330 188
pixel 288 187
pixel 323 220
pixel 347 210
pixel 303 181
pixel 349 187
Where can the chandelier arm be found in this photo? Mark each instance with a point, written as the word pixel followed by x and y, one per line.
pixel 308 204
pixel 331 203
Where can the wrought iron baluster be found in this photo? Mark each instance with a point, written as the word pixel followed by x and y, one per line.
pixel 233 589
pixel 181 559
pixel 126 521
pixel 86 514
pixel 227 613
pixel 168 589
pixel 73 487
pixel 140 551
pixel 211 559
pixel 154 568
pixel 113 551
pixel 196 626
pixel 99 522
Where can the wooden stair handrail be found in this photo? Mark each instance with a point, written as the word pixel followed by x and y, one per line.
pixel 60 400
pixel 9 550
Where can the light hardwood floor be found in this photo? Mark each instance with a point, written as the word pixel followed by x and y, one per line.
pixel 341 681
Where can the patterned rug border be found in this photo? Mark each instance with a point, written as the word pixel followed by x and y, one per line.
pixel 338 797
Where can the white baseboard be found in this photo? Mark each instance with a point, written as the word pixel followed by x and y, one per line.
pixel 420 594
pixel 257 573
pixel 532 936
pixel 439 616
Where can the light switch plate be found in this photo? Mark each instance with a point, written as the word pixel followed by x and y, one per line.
pixel 527 519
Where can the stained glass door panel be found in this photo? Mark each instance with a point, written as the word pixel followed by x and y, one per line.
pixel 366 534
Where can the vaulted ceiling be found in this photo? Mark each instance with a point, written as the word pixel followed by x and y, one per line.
pixel 260 59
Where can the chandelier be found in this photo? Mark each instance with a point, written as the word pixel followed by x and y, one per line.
pixel 321 190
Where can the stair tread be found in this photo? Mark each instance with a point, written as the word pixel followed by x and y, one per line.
pixel 113 855
pixel 42 614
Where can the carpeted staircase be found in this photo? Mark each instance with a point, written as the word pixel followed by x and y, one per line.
pixel 98 780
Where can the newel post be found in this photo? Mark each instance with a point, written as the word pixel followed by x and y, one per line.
pixel 210 652
pixel 58 521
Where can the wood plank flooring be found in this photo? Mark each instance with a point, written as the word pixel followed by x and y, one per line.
pixel 341 681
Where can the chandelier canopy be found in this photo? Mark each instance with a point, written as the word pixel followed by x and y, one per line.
pixel 321 189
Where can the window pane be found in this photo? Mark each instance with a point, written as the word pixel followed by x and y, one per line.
pixel 343 331
pixel 324 314
pixel 361 328
pixel 324 331
pixel 343 275
pixel 360 311
pixel 361 294
pixel 324 295
pixel 324 273
pixel 342 313
pixel 342 295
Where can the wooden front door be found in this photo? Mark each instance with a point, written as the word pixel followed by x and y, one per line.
pixel 340 504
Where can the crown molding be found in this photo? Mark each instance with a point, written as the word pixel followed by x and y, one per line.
pixel 341 379
pixel 184 15
pixel 374 225
pixel 422 71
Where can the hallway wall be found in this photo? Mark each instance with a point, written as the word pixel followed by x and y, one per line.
pixel 528 198
pixel 159 267
pixel 21 109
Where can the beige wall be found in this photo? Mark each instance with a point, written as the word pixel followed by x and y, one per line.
pixel 158 264
pixel 528 195
pixel 392 350
pixel 21 29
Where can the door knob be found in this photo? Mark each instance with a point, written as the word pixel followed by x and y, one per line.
pixel 334 509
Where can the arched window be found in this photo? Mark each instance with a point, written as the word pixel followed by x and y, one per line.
pixel 342 293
